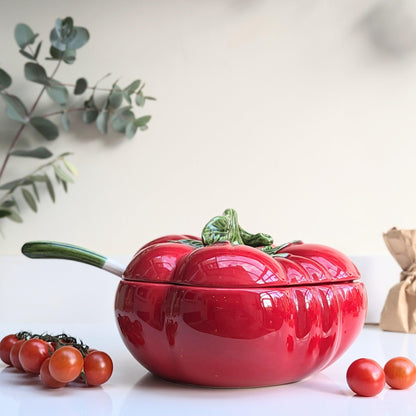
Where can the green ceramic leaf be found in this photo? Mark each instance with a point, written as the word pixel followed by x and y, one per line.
pixel 36 73
pixel 30 200
pixel 5 79
pixel 102 121
pixel 24 35
pixel 45 127
pixel 80 86
pixel 39 153
pixel 15 109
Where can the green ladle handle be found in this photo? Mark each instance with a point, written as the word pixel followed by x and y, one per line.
pixel 56 250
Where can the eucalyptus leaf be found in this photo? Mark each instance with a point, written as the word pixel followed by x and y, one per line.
pixel 142 121
pixel 126 96
pixel 27 55
pixel 140 101
pixel 4 212
pixel 45 127
pixel 55 53
pixel 89 115
pixel 8 203
pixel 69 56
pixel 90 112
pixel 71 168
pixel 15 109
pixel 65 121
pixel 10 185
pixel 36 73
pixel 37 50
pixel 35 191
pixel 58 93
pixel 49 187
pixel 5 79
pixel 24 35
pixel 65 186
pixel 62 174
pixel 30 200
pixel 80 86
pixel 57 42
pixel 102 121
pixel 64 28
pixel 116 97
pixel 80 39
pixel 14 216
pixel 150 98
pixel 132 87
pixel 121 119
pixel 39 153
pixel 131 130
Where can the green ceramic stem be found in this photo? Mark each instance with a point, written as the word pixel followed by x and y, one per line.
pixel 57 250
pixel 226 228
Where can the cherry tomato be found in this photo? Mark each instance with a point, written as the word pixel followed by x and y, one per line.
pixel 66 364
pixel 98 367
pixel 33 353
pixel 400 373
pixel 46 377
pixel 365 377
pixel 6 345
pixel 14 354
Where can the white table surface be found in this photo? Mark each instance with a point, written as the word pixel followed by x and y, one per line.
pixel 133 391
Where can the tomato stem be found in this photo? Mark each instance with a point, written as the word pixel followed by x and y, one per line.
pixel 225 227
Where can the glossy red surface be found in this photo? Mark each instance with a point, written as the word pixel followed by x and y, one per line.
pixel 233 316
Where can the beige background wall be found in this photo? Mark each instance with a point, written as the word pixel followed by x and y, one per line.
pixel 299 114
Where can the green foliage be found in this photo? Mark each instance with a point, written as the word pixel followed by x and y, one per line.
pixel 114 107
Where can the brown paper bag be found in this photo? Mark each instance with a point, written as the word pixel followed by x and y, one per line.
pixel 399 312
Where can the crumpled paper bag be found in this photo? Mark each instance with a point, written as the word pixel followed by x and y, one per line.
pixel 399 311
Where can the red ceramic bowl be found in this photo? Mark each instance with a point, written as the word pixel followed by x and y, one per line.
pixel 239 319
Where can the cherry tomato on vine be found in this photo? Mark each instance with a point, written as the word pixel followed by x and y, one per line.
pixel 33 353
pixel 46 377
pixel 14 354
pixel 6 345
pixel 366 377
pixel 98 367
pixel 400 373
pixel 66 364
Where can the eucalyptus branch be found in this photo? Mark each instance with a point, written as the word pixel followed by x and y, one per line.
pixel 117 110
pixel 28 178
pixel 22 127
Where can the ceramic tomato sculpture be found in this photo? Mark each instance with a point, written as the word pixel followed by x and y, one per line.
pixel 231 309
